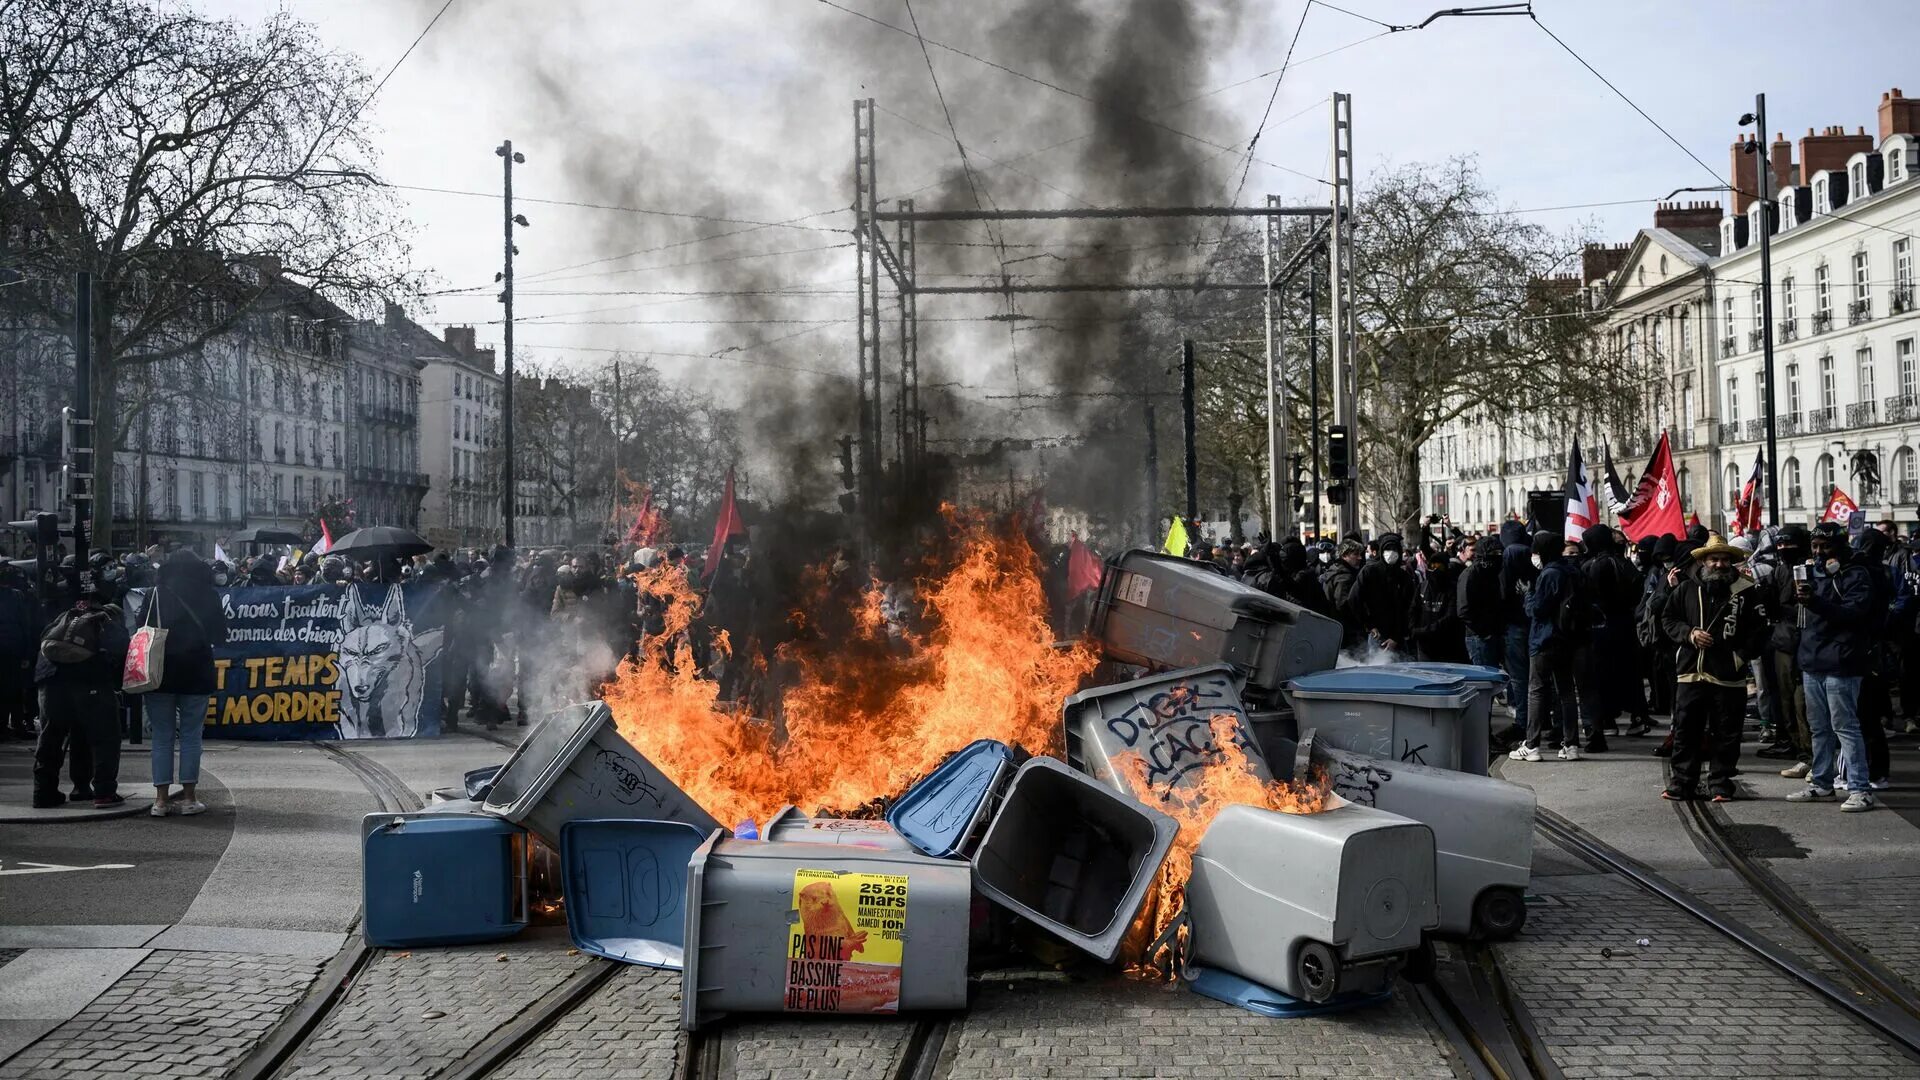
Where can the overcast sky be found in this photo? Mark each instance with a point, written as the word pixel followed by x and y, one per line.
pixel 738 109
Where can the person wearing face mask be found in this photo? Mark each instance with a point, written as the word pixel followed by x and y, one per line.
pixel 1563 618
pixel 1840 623
pixel 1716 615
pixel 1876 690
pixel 1384 598
pixel 1791 741
pixel 1338 583
pixel 1517 574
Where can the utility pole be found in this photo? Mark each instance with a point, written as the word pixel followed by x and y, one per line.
pixel 1340 284
pixel 1313 390
pixel 614 511
pixel 508 159
pixel 80 442
pixel 1764 169
pixel 1153 471
pixel 1188 432
pixel 1278 518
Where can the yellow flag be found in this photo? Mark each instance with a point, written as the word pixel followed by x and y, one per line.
pixel 1176 538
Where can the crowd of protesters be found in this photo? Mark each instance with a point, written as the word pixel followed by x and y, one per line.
pixel 1812 633
pixel 524 633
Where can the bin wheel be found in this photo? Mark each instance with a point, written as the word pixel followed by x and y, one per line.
pixel 1499 913
pixel 1317 971
pixel 1421 963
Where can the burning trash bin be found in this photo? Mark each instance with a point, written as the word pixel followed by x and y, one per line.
pixel 1045 842
pixel 821 928
pixel 435 878
pixel 1312 905
pixel 1166 721
pixel 575 765
pixel 1164 612
pixel 789 825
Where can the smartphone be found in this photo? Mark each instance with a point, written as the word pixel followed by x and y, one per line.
pixel 1801 573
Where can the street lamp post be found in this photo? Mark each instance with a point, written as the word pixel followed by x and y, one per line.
pixel 1764 171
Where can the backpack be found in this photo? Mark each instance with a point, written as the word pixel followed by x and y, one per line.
pixel 1575 617
pixel 74 637
pixel 1646 616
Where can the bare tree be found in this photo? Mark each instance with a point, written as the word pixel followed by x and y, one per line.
pixel 676 440
pixel 203 170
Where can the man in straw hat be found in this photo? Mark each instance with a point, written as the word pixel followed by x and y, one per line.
pixel 1716 616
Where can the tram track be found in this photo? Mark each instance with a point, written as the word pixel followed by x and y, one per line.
pixel 1478 1011
pixel 708 1054
pixel 1891 1017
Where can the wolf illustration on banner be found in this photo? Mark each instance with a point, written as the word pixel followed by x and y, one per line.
pixel 383 668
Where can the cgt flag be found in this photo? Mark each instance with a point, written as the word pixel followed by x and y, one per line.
pixel 725 528
pixel 1654 509
pixel 1583 507
pixel 1747 505
pixel 1839 506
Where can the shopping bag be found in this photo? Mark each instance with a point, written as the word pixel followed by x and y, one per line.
pixel 146 653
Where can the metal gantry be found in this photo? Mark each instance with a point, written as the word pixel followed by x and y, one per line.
pixel 1340 290
pixel 875 255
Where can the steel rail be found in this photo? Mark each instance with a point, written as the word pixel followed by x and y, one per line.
pixel 1897 1025
pixel 507 1041
pixel 329 989
pixel 1479 1013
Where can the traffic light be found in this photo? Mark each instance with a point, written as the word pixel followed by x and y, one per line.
pixel 1337 494
pixel 1299 481
pixel 1339 456
pixel 846 462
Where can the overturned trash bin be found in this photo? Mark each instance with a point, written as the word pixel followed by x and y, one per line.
pixel 626 887
pixel 1065 853
pixel 1482 829
pixel 575 765
pixel 1164 612
pixel 1312 905
pixel 441 879
pixel 821 928
pixel 789 825
pixel 1171 722
pixel 1411 716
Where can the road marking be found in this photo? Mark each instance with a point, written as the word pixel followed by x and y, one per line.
pixel 55 868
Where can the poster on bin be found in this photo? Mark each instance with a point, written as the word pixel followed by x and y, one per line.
pixel 845 946
pixel 325 661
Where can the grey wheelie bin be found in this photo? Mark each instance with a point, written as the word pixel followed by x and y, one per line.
pixel 1164 612
pixel 1170 723
pixel 1476 724
pixel 1392 714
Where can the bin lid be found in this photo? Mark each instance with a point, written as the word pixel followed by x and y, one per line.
pixel 542 756
pixel 1472 673
pixel 478 782
pixel 1377 682
pixel 938 814
pixel 1222 985
pixel 625 882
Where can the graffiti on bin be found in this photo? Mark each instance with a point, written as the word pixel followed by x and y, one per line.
pixel 624 777
pixel 1358 780
pixel 1173 730
pixel 1410 753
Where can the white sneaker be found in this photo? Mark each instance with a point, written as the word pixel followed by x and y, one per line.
pixel 158 810
pixel 1570 753
pixel 1881 784
pixel 1858 801
pixel 189 809
pixel 1523 752
pixel 1561 753
pixel 1796 771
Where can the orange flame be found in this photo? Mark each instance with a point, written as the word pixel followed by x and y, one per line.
pixel 858 720
pixel 1229 779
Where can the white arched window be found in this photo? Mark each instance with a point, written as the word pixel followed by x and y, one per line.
pixel 1686 487
pixel 1790 478
pixel 1823 477
pixel 1733 484
pixel 1906 475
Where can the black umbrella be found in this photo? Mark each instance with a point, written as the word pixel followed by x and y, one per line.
pixel 378 540
pixel 264 534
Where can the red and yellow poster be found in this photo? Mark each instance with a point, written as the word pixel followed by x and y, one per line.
pixel 844 946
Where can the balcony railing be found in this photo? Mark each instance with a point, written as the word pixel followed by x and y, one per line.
pixel 1859 311
pixel 1902 408
pixel 1789 330
pixel 1909 492
pixel 1863 414
pixel 286 508
pixel 1729 346
pixel 1787 424
pixel 1900 301
pixel 1729 432
pixel 1680 438
pixel 1820 421
pixel 1755 339
pixel 1756 429
pixel 1822 321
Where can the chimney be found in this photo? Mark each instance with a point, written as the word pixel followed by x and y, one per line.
pixel 1599 260
pixel 1829 150
pixel 1898 115
pixel 395 315
pixel 1780 156
pixel 268 265
pixel 460 339
pixel 1689 215
pixel 1746 176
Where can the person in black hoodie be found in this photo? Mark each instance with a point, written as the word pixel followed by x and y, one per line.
pixel 1517 573
pixel 79 703
pixel 1383 601
pixel 19 637
pixel 1876 690
pixel 1480 605
pixel 1339 581
pixel 1438 632
pixel 1612 661
pixel 1561 610
pixel 1716 616
pixel 185 604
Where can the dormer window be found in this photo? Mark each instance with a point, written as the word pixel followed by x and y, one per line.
pixel 1785 214
pixel 1896 166
pixel 1821 205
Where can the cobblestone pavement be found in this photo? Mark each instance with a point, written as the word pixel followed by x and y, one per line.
pixel 1689 1003
pixel 409 1014
pixel 1881 915
pixel 629 1028
pixel 1123 1029
pixel 753 1048
pixel 176 1015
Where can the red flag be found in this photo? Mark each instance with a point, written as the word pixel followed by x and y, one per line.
pixel 726 528
pixel 645 523
pixel 1654 509
pixel 1748 504
pixel 1084 569
pixel 1839 506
